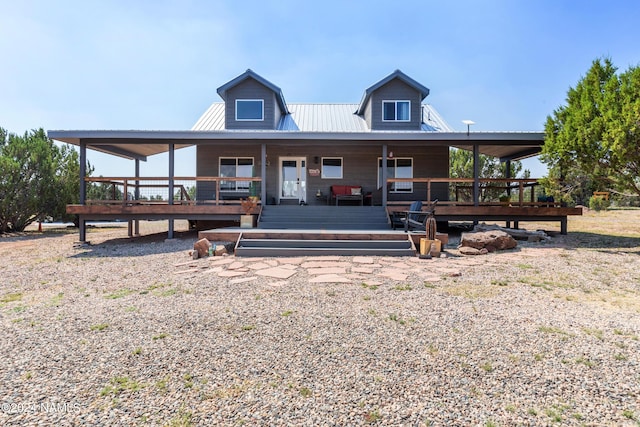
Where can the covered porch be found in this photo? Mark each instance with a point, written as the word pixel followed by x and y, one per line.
pixel 170 197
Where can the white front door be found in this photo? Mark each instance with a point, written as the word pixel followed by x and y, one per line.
pixel 293 179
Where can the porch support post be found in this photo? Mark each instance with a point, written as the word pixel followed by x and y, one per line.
pixel 507 174
pixel 136 224
pixel 476 173
pixel 171 175
pixel 263 174
pixel 83 188
pixel 384 175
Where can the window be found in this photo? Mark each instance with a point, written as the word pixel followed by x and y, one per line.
pixel 235 167
pixel 396 111
pixel 250 109
pixel 397 168
pixel 332 167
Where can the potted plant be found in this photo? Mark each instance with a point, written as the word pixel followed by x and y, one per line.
pixel 505 200
pixel 430 246
pixel 248 207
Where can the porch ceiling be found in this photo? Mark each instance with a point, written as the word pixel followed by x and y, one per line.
pixel 141 144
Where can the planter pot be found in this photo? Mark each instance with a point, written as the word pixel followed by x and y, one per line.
pixel 247 221
pixel 433 247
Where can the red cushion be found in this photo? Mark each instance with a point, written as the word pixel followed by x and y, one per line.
pixel 343 190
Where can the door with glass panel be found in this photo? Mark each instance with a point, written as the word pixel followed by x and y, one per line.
pixel 293 179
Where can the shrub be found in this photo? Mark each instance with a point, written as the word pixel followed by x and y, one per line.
pixel 598 203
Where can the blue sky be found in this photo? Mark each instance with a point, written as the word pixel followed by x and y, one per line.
pixel 156 64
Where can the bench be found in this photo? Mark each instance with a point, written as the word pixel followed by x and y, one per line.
pixel 346 192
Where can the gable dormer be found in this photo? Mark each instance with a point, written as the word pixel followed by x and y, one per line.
pixel 252 102
pixel 394 103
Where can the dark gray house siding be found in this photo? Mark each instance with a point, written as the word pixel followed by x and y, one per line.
pixel 251 89
pixel 395 90
pixel 360 167
pixel 208 164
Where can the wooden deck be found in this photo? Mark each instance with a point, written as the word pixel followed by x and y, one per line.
pixel 233 212
pixel 538 212
pixel 139 211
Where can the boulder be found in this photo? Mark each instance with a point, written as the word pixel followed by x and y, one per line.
pixel 465 250
pixel 491 240
pixel 202 246
pixel 220 250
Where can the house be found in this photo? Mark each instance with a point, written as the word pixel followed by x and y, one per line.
pixel 312 147
pixel 390 148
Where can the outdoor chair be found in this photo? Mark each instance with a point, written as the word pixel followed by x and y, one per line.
pixel 415 218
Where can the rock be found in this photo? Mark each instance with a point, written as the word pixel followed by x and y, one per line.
pixel 194 254
pixel 518 234
pixel 466 250
pixel 220 250
pixel 491 240
pixel 202 246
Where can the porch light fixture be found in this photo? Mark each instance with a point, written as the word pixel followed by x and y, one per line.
pixel 391 154
pixel 468 123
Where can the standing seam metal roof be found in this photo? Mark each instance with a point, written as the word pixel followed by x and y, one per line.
pixel 319 118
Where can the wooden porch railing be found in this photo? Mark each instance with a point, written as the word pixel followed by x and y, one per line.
pixel 509 184
pixel 129 183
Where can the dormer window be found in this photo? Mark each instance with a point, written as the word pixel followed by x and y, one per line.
pixel 249 109
pixel 396 111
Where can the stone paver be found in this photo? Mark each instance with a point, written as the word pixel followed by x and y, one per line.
pixel 258 266
pixel 363 260
pixel 365 270
pixel 220 261
pixel 293 260
pixel 230 273
pixel 289 266
pixel 329 278
pixel 393 274
pixel 236 265
pixel 277 272
pixel 401 265
pixel 326 270
pixel 323 258
pixel 321 264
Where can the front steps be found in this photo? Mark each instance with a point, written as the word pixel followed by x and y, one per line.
pixel 286 230
pixel 312 217
pixel 307 243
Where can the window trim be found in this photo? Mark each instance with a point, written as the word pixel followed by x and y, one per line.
pixel 395 162
pixel 395 102
pixel 235 183
pixel 250 100
pixel 341 168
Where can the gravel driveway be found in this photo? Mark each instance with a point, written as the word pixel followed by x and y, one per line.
pixel 135 333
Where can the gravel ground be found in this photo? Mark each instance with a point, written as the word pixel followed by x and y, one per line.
pixel 135 333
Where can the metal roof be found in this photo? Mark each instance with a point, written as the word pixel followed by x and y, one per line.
pixel 320 118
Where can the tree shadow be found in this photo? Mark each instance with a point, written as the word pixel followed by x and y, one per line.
pixel 605 242
pixel 136 246
pixel 25 236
